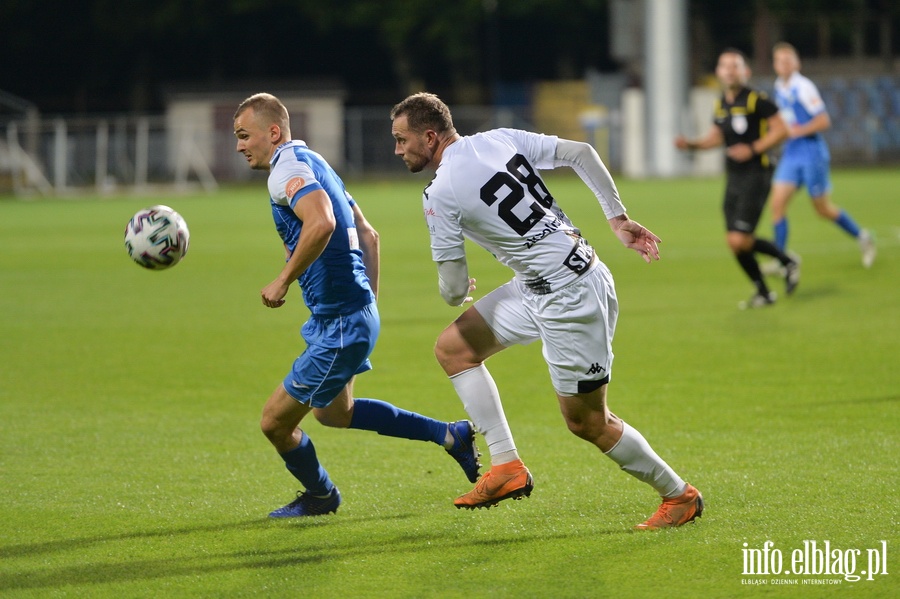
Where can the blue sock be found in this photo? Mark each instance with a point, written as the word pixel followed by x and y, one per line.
pixel 781 234
pixel 304 465
pixel 846 223
pixel 385 419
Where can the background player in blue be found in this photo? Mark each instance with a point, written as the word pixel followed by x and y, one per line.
pixel 806 158
pixel 333 252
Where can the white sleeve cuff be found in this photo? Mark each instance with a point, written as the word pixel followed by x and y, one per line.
pixel 453 280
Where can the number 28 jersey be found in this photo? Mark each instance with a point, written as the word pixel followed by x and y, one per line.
pixel 487 189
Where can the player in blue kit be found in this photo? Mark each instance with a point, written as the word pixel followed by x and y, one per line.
pixel 333 253
pixel 806 158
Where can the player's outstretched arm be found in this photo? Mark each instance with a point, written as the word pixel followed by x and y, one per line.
pixel 584 160
pixel 713 138
pixel 637 237
pixel 370 244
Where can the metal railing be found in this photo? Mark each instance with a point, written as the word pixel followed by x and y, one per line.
pixel 58 156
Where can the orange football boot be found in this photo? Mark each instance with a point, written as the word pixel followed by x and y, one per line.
pixel 505 481
pixel 675 511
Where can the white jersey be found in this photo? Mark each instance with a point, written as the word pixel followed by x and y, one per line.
pixel 487 189
pixel 799 101
pixel 798 98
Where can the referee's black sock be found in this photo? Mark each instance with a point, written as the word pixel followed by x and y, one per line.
pixel 748 262
pixel 764 246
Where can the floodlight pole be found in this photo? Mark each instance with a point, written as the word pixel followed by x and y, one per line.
pixel 665 83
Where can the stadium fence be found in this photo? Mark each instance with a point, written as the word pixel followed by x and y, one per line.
pixel 112 154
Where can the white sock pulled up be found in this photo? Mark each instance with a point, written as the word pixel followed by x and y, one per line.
pixel 481 400
pixel 635 456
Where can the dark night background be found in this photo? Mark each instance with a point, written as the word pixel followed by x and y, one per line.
pixel 95 56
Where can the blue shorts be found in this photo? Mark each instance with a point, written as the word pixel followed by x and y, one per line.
pixel 338 348
pixel 810 171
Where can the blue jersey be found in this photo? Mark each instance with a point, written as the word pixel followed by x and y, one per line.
pixel 799 100
pixel 336 282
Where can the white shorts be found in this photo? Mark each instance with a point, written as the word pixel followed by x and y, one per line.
pixel 575 323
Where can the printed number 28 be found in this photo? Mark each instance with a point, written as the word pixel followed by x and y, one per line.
pixel 520 176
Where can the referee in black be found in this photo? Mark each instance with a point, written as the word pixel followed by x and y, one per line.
pixel 748 124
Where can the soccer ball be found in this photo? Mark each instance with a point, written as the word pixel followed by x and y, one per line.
pixel 157 237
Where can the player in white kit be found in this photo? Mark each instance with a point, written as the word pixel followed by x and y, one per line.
pixel 487 188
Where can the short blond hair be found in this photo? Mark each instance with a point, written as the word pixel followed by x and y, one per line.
pixel 268 110
pixel 787 47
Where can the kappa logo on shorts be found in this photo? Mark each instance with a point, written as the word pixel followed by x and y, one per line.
pixel 595 369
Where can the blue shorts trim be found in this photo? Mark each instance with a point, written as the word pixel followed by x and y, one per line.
pixel 338 348
pixel 813 172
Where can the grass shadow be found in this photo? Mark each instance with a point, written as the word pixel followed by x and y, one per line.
pixel 204 564
pixel 60 546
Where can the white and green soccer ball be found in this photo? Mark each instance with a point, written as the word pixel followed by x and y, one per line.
pixel 157 237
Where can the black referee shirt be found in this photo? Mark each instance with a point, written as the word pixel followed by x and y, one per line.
pixel 743 122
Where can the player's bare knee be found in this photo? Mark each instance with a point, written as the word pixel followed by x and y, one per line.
pixel 451 355
pixel 589 429
pixel 271 429
pixel 740 242
pixel 440 352
pixel 444 358
pixel 828 212
pixel 577 428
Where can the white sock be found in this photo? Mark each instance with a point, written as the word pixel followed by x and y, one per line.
pixel 637 458
pixel 481 400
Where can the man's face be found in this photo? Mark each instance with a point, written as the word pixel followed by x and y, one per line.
pixel 412 147
pixel 731 71
pixel 785 63
pixel 253 141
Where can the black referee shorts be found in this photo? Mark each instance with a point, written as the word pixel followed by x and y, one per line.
pixel 746 191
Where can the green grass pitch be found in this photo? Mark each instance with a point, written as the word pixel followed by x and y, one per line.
pixel 133 466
